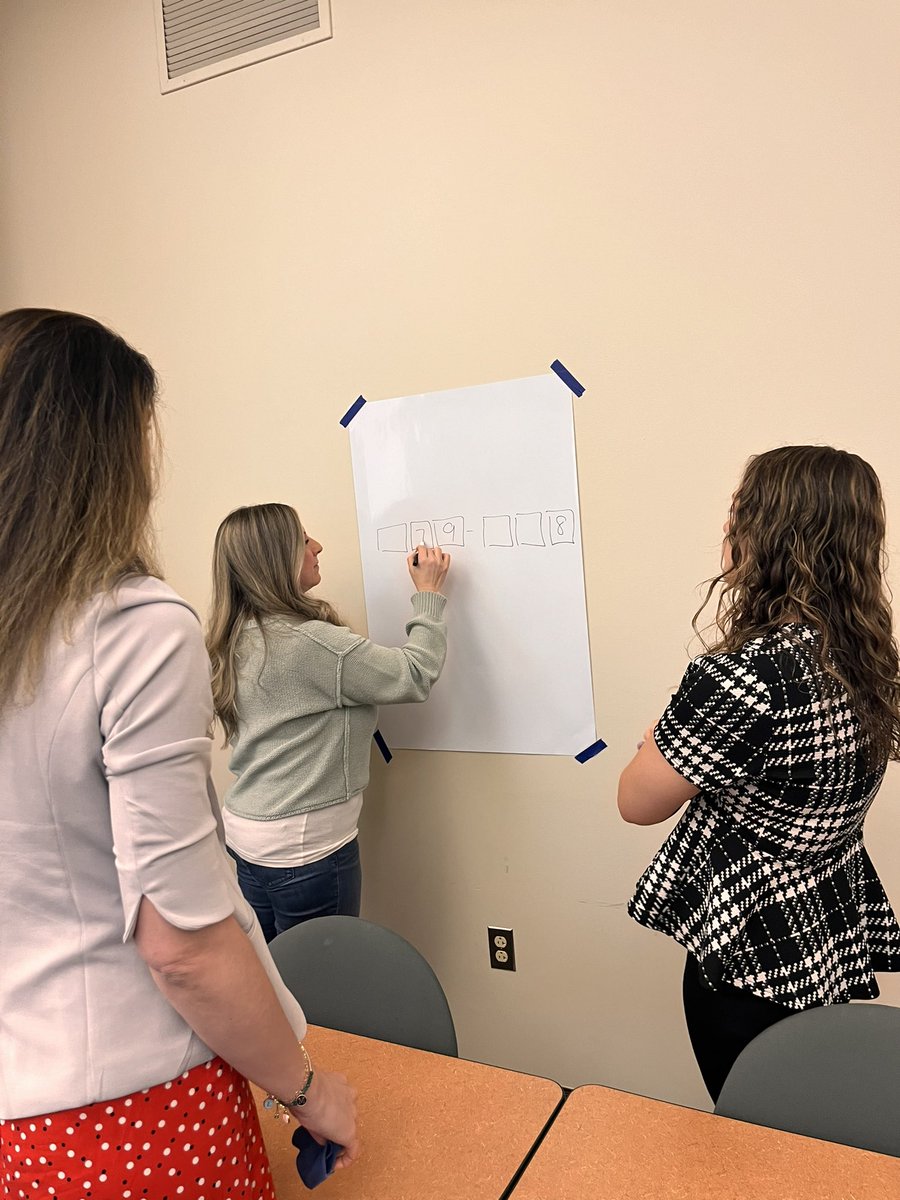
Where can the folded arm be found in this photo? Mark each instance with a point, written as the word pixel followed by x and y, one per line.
pixel 650 789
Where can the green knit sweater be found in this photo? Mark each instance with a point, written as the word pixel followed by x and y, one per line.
pixel 306 704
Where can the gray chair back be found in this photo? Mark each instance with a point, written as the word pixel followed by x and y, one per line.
pixel 831 1073
pixel 356 976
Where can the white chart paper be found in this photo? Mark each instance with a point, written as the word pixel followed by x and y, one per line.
pixel 489 474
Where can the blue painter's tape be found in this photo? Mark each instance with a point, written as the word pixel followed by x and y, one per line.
pixel 382 746
pixel 568 379
pixel 591 751
pixel 352 410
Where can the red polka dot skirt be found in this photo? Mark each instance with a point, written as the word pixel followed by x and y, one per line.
pixel 194 1138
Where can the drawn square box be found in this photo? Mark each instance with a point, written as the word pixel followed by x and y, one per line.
pixel 528 529
pixel 562 525
pixel 449 531
pixel 392 538
pixel 420 534
pixel 498 531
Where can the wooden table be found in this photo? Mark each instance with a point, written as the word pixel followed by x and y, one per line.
pixel 430 1126
pixel 608 1145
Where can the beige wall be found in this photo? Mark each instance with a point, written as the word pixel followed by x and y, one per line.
pixel 692 204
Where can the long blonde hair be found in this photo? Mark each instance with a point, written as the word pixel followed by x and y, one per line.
pixel 77 475
pixel 807 540
pixel 256 565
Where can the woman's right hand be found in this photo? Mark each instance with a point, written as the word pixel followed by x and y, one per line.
pixel 428 567
pixel 330 1114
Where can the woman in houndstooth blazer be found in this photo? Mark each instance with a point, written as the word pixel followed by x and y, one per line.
pixel 779 738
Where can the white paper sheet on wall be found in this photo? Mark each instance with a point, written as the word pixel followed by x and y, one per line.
pixel 489 474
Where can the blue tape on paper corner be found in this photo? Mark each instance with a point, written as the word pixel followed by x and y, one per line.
pixel 591 751
pixel 382 746
pixel 352 410
pixel 567 377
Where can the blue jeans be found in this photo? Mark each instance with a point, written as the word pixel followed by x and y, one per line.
pixel 285 896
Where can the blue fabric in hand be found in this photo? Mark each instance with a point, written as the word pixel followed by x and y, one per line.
pixel 314 1161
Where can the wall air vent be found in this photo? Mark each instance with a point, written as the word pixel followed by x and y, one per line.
pixel 198 39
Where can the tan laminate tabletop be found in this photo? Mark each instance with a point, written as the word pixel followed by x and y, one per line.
pixel 609 1145
pixel 431 1126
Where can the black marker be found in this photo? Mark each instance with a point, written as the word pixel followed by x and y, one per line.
pixel 416 559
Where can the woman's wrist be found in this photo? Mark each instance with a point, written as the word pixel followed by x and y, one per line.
pixel 294 1101
pixel 309 1110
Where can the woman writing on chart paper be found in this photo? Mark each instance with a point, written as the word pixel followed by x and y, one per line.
pixel 136 992
pixel 779 738
pixel 296 693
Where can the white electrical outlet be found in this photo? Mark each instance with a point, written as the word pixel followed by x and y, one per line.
pixel 502 948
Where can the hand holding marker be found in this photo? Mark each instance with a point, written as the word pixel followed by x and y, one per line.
pixel 428 567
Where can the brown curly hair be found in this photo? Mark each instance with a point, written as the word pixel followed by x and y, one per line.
pixel 806 535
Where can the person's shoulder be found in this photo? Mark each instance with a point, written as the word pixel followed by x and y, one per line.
pixel 789 659
pixel 745 658
pixel 286 635
pixel 147 592
pixel 735 672
pixel 761 668
pixel 336 638
pixel 145 602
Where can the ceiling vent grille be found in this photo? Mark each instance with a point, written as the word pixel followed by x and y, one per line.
pixel 198 39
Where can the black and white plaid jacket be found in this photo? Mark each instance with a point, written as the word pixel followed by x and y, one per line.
pixel 765 879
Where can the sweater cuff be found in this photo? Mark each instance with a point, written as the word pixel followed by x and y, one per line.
pixel 428 604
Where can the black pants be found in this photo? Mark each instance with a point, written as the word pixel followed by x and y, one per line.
pixel 722 1022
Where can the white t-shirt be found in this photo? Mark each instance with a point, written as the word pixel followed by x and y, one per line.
pixel 294 841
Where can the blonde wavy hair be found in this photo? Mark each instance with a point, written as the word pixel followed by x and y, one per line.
pixel 77 475
pixel 256 568
pixel 807 535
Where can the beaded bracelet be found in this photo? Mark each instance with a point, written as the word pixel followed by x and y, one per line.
pixel 279 1108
